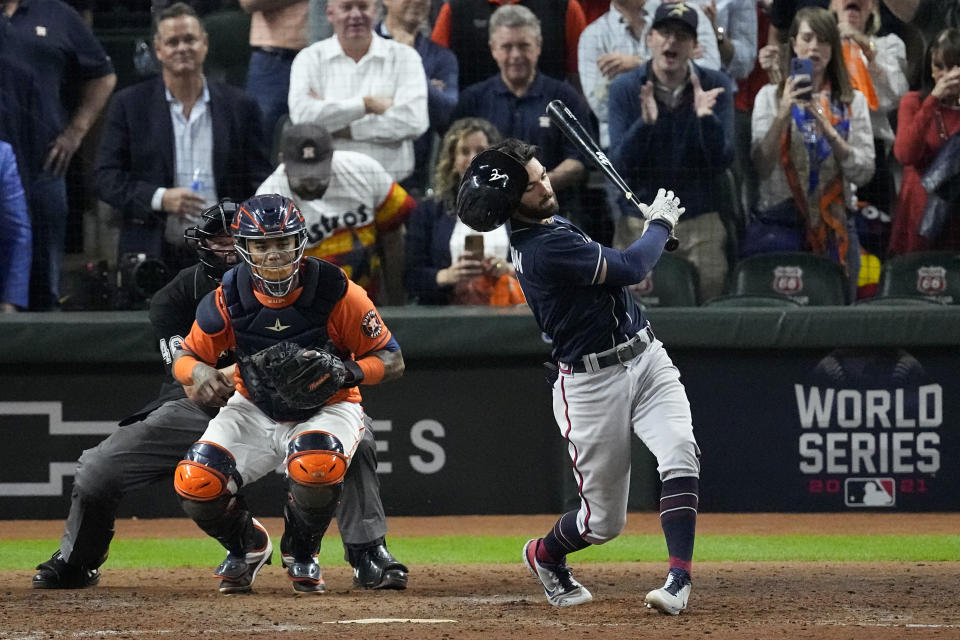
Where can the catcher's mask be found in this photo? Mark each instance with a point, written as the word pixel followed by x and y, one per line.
pixel 270 235
pixel 211 238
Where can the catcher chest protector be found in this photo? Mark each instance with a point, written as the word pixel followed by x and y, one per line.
pixel 304 322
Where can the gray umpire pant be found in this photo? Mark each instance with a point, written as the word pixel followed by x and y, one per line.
pixel 148 451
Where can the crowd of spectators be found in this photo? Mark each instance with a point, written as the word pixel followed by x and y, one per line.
pixel 783 125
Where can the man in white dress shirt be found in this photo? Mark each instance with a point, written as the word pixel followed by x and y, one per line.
pixel 370 93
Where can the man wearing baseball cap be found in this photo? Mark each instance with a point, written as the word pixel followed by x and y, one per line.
pixel 671 125
pixel 348 200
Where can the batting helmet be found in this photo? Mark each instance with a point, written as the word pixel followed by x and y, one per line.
pixel 214 222
pixel 265 217
pixel 490 190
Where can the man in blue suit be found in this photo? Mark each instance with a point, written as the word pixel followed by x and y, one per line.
pixel 174 145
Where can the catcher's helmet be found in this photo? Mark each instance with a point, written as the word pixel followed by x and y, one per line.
pixel 490 190
pixel 214 222
pixel 270 217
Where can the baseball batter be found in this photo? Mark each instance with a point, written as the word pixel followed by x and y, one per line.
pixel 305 336
pixel 148 445
pixel 613 375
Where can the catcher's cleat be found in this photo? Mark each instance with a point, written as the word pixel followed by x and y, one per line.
pixel 56 573
pixel 237 573
pixel 307 577
pixel 286 555
pixel 374 567
pixel 558 583
pixel 672 597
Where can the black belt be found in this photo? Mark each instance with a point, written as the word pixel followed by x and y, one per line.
pixel 279 52
pixel 624 352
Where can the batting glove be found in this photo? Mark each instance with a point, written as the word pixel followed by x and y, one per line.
pixel 665 207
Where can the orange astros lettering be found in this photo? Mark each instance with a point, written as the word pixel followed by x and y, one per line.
pixel 317 383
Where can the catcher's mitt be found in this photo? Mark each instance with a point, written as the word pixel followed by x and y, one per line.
pixel 303 378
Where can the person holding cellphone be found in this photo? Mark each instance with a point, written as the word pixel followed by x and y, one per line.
pixel 443 255
pixel 811 143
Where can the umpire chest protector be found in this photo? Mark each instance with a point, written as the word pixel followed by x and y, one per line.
pixel 470 36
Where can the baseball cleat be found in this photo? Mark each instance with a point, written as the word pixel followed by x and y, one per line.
pixel 56 573
pixel 672 597
pixel 237 573
pixel 375 568
pixel 557 580
pixel 306 576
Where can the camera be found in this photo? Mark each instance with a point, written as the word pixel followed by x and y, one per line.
pixel 139 276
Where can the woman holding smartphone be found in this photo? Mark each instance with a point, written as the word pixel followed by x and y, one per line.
pixel 443 255
pixel 811 142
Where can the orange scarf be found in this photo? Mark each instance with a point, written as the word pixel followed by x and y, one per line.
pixel 496 291
pixel 860 78
pixel 826 222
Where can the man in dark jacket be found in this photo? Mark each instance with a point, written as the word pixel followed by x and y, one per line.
pixel 174 145
pixel 671 125
pixel 515 99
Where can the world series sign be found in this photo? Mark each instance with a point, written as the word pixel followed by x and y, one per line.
pixel 840 430
pixel 869 429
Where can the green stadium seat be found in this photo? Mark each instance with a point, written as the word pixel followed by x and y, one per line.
pixel 672 283
pixel 727 196
pixel 931 275
pixel 754 300
pixel 805 278
pixel 897 301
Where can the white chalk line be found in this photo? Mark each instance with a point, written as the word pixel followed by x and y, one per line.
pixel 905 625
pixel 107 633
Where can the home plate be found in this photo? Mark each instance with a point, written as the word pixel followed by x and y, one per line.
pixel 389 620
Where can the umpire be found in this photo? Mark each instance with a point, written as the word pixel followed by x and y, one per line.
pixel 150 444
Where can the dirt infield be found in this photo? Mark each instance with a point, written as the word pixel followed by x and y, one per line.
pixel 730 600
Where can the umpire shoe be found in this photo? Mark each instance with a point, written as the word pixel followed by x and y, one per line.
pixel 672 597
pixel 557 580
pixel 374 567
pixel 56 573
pixel 237 573
pixel 306 576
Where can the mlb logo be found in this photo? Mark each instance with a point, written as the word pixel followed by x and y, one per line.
pixel 645 286
pixel 788 281
pixel 869 492
pixel 931 280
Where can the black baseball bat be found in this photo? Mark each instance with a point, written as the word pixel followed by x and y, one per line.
pixel 568 124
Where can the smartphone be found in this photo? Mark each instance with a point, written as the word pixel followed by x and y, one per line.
pixel 473 244
pixel 803 66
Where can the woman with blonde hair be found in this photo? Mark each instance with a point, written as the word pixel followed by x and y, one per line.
pixel 811 142
pixel 440 269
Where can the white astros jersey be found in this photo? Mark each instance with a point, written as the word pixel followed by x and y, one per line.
pixel 361 202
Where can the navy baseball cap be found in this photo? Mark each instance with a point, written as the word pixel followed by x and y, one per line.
pixel 679 12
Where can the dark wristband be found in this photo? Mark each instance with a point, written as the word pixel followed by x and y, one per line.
pixel 354 374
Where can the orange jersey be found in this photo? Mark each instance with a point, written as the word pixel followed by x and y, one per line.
pixel 354 325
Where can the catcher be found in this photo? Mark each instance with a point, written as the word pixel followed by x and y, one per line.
pixel 305 337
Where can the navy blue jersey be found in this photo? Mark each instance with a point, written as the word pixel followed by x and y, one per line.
pixel 558 265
